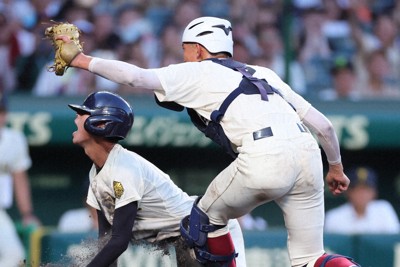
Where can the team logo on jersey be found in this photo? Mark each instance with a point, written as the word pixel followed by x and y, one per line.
pixel 118 189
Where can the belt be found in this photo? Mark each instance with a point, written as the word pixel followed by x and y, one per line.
pixel 263 133
pixel 267 132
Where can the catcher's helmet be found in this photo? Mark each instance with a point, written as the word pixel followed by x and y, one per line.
pixel 110 111
pixel 214 34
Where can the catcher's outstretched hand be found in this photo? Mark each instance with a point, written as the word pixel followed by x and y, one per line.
pixel 336 179
pixel 65 39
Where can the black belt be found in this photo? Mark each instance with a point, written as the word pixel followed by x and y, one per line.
pixel 263 133
pixel 267 132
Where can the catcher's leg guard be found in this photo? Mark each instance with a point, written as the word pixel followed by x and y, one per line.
pixel 335 260
pixel 194 230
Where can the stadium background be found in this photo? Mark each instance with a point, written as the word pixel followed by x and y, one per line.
pixel 369 133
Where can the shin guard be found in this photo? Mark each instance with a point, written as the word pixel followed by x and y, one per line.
pixel 194 230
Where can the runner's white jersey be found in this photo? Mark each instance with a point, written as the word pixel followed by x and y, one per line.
pixel 127 177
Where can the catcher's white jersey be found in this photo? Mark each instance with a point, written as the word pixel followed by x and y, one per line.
pixel 127 177
pixel 14 157
pixel 204 85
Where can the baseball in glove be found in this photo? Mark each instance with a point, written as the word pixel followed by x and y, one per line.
pixel 65 51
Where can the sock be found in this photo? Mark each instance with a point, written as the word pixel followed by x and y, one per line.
pixel 222 245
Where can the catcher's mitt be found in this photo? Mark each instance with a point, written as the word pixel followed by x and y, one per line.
pixel 65 51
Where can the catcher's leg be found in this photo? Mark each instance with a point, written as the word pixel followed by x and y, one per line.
pixel 333 260
pixel 213 251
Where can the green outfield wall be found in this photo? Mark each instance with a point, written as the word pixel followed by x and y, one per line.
pixel 48 121
pixel 263 249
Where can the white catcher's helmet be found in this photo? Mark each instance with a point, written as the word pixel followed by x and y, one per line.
pixel 213 33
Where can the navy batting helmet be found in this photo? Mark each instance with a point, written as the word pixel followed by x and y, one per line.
pixel 110 117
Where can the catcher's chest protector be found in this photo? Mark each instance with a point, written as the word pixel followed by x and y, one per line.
pixel 212 129
pixel 248 85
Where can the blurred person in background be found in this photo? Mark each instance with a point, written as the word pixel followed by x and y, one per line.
pixel 344 85
pixel 134 28
pixel 170 39
pixel 14 163
pixel 383 36
pixel 337 28
pixel 363 213
pixel 314 51
pixel 8 52
pixel 273 57
pixel 379 82
pixel 185 12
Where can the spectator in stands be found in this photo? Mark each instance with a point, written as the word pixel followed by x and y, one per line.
pixel 377 41
pixel 344 86
pixel 273 57
pixel 14 163
pixel 321 24
pixel 337 29
pixel 8 52
pixel 133 28
pixel 363 213
pixel 104 35
pixel 170 45
pixel 314 52
pixel 185 12
pixel 106 43
pixel 379 83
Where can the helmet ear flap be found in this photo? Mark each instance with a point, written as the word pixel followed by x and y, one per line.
pixel 93 122
pixel 91 125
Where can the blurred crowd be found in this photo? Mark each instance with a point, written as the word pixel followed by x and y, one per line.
pixel 325 49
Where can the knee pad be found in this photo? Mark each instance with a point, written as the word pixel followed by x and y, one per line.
pixel 194 229
pixel 335 260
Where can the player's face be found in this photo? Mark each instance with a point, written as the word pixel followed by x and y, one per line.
pixel 80 135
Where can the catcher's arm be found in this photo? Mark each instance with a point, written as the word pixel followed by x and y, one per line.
pixel 320 125
pixel 114 70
